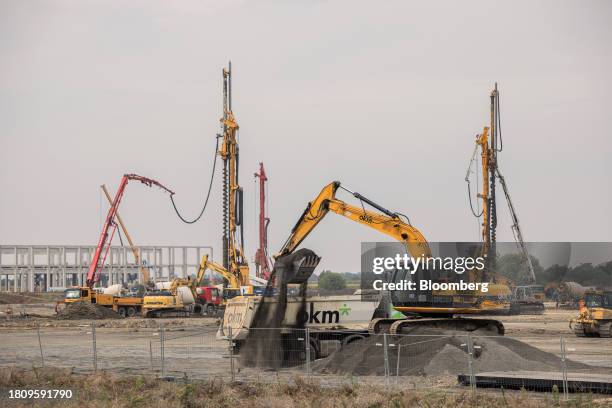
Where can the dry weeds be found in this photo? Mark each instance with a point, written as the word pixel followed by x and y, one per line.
pixel 104 390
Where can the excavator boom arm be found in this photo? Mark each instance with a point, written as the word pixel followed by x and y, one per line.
pixel 215 267
pixel 394 227
pixel 312 215
pixel 386 222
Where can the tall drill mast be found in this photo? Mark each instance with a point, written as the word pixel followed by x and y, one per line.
pixel 233 251
pixel 261 256
pixel 491 206
pixel 490 143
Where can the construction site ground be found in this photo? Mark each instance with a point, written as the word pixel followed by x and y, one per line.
pixel 132 345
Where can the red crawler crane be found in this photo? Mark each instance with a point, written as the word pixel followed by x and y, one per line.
pixel 261 256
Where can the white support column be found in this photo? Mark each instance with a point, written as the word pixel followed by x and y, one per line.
pixel 49 281
pixel 77 268
pixel 31 273
pixel 111 268
pixel 63 262
pixel 125 261
pixel 15 271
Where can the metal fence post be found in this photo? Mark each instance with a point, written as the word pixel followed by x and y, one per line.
pixel 161 350
pixel 94 344
pixel 42 358
pixel 307 345
pixel 470 349
pixel 231 352
pixel 397 370
pixel 386 354
pixel 564 367
pixel 151 353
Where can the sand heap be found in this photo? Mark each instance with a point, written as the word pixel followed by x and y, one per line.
pixel 86 310
pixel 445 355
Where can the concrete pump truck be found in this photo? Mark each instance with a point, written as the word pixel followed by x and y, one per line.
pixel 124 305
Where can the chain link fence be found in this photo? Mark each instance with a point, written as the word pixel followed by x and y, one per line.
pixel 561 364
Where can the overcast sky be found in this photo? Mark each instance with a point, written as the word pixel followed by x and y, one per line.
pixel 386 97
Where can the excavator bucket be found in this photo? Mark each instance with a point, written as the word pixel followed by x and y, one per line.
pixel 296 267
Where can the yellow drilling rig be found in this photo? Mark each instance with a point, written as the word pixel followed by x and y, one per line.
pixel 234 267
pixel 526 297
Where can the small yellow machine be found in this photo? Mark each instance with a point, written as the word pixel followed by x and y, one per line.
pixel 595 317
pixel 175 300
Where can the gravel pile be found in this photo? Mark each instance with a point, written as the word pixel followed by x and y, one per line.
pixel 444 355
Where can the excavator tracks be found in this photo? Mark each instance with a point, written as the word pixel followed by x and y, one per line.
pixel 436 326
pixel 605 329
pixel 527 308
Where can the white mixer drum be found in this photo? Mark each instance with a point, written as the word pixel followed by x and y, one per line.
pixel 184 293
pixel 112 290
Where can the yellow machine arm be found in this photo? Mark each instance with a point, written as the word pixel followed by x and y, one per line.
pixel 191 283
pixel 387 222
pixel 215 267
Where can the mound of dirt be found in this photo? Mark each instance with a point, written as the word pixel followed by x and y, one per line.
pixel 444 355
pixel 86 310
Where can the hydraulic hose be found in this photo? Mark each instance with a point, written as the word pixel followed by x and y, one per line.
pixel 212 177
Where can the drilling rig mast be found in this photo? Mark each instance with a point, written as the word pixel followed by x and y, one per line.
pixel 261 256
pixel 233 250
pixel 490 143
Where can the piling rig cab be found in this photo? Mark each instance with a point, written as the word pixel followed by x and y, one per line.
pixel 595 317
pixel 125 305
pixel 428 310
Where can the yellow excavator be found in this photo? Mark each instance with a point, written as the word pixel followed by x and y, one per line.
pixel 440 306
pixel 235 286
pixel 179 298
pixel 595 317
pixel 426 310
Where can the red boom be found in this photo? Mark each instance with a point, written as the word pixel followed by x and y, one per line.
pixel 93 276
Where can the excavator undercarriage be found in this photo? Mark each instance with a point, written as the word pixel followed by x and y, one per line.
pixel 436 325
